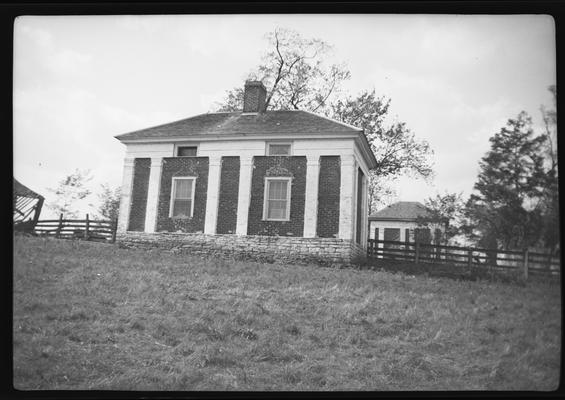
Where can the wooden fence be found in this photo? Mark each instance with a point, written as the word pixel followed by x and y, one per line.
pixel 525 262
pixel 87 229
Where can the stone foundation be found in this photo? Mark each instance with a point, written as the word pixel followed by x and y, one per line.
pixel 262 248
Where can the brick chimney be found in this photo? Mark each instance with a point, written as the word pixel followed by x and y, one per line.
pixel 254 97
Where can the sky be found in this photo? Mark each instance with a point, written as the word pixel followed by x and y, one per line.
pixel 454 80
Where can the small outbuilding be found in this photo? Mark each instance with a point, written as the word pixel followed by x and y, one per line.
pixel 27 207
pixel 401 222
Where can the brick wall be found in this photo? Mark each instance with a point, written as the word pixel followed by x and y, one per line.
pixel 262 248
pixel 183 166
pixel 141 169
pixel 227 203
pixel 328 197
pixel 277 166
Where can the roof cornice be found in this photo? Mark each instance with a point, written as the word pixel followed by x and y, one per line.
pixel 359 137
pixel 392 219
pixel 243 136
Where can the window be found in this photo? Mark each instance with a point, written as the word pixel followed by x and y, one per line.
pixel 278 149
pixel 182 197
pixel 186 151
pixel 422 235
pixel 277 199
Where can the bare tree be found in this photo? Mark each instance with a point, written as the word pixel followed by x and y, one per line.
pixel 297 76
pixel 295 72
pixel 70 190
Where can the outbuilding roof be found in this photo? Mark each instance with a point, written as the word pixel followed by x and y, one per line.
pixel 22 190
pixel 402 210
pixel 269 122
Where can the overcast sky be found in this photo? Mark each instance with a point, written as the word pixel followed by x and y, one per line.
pixel 454 80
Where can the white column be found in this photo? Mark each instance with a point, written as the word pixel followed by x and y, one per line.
pixel 153 194
pixel 364 216
pixel 212 197
pixel 125 198
pixel 311 196
pixel 244 194
pixel 346 198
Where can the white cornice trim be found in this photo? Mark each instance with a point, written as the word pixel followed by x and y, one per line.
pixel 243 136
pixel 359 136
pixel 368 154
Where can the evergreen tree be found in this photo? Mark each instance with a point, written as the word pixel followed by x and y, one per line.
pixel 550 203
pixel 109 202
pixel 505 209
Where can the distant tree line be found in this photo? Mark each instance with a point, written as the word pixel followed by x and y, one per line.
pixel 515 201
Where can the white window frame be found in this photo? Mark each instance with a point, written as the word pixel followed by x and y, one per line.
pixel 173 193
pixel 268 148
pixel 177 146
pixel 266 199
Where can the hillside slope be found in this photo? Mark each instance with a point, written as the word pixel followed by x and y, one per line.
pixel 93 316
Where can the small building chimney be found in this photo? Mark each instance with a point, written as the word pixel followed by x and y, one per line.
pixel 254 97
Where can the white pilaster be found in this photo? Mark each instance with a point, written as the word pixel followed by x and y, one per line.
pixel 347 198
pixel 311 196
pixel 125 198
pixel 244 194
pixel 214 171
pixel 153 194
pixel 364 215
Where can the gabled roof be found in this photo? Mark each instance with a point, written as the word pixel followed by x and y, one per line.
pixel 401 211
pixel 269 122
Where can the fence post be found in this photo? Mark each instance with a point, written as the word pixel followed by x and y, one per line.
pixel 114 229
pixel 87 228
pixel 469 258
pixel 526 261
pixel 417 253
pixel 60 226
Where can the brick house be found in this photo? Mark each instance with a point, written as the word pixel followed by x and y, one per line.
pixel 286 184
pixel 399 222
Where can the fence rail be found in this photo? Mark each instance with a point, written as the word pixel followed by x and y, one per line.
pixel 525 262
pixel 87 229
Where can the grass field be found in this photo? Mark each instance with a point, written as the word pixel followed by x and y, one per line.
pixel 93 316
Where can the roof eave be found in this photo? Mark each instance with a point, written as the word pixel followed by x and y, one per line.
pixel 389 219
pixel 241 135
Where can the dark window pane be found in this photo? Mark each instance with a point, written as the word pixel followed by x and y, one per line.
pixel 392 234
pixel 279 149
pixel 277 190
pixel 276 209
pixel 423 235
pixel 183 189
pixel 186 151
pixel 181 208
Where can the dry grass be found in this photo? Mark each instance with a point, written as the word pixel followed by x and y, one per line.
pixel 93 316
